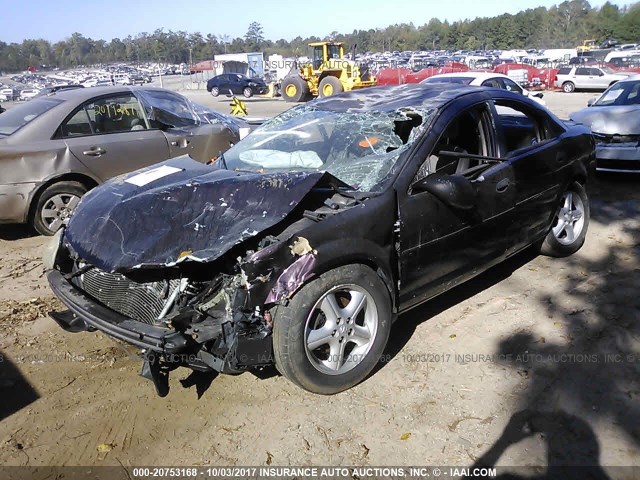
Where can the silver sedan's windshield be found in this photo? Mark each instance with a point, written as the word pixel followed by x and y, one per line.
pixel 359 148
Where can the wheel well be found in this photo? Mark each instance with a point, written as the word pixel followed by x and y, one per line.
pixel 332 73
pixel 88 182
pixel 388 282
pixel 581 179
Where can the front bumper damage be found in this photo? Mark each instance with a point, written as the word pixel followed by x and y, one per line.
pixel 617 153
pixel 207 335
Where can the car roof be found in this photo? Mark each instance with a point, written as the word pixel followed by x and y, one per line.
pixel 393 98
pixel 482 75
pixel 82 94
pixel 631 78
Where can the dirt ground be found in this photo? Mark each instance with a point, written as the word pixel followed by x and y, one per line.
pixel 551 345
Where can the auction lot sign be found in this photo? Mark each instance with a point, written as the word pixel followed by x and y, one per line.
pixel 319 472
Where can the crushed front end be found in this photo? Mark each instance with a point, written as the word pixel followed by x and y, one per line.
pixel 200 324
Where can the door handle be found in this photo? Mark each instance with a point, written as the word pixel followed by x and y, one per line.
pixel 561 157
pixel 182 143
pixel 502 185
pixel 94 152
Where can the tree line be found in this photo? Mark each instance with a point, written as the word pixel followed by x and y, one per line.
pixel 560 26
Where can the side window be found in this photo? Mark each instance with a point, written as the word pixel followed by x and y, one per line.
pixel 596 72
pixel 471 133
pixel 78 125
pixel 122 113
pixel 511 85
pixel 583 71
pixel 564 71
pixel 493 83
pixel 522 126
pixel 168 109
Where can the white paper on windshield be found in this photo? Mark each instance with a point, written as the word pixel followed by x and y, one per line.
pixel 278 159
pixel 611 95
pixel 149 176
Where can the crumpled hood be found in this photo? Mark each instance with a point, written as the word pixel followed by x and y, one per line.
pixel 195 213
pixel 611 120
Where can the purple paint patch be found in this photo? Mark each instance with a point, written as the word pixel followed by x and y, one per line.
pixel 292 278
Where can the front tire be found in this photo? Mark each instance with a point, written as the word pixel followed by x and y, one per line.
pixel 334 330
pixel 569 229
pixel 55 205
pixel 568 87
pixel 294 89
pixel 329 86
pixel 247 92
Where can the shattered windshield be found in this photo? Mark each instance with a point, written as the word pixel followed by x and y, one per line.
pixel 359 148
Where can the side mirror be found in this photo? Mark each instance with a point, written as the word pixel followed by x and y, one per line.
pixel 539 95
pixel 454 191
pixel 591 101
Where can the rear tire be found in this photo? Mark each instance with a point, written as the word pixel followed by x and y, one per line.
pixel 333 331
pixel 568 87
pixel 569 229
pixel 55 205
pixel 215 91
pixel 294 89
pixel 329 86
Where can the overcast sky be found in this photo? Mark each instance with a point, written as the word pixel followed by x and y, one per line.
pixel 106 19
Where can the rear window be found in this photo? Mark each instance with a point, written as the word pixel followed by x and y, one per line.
pixel 17 117
pixel 458 80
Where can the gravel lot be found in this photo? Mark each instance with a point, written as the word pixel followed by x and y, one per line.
pixel 557 339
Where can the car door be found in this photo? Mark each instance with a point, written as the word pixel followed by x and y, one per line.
pixel 440 245
pixel 223 84
pixel 173 115
pixel 581 77
pixel 110 135
pixel 236 83
pixel 530 141
pixel 600 79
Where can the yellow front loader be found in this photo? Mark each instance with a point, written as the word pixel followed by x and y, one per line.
pixel 328 73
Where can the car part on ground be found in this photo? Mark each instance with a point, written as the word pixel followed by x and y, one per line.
pixel 86 136
pixel 303 242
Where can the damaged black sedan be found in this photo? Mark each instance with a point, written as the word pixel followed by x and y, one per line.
pixel 303 243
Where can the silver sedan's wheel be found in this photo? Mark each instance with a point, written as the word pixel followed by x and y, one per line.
pixel 58 209
pixel 570 223
pixel 341 329
pixel 54 206
pixel 570 219
pixel 331 333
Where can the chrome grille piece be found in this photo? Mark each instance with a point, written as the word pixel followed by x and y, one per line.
pixel 139 301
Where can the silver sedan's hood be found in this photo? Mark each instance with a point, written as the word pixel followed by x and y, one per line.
pixel 610 120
